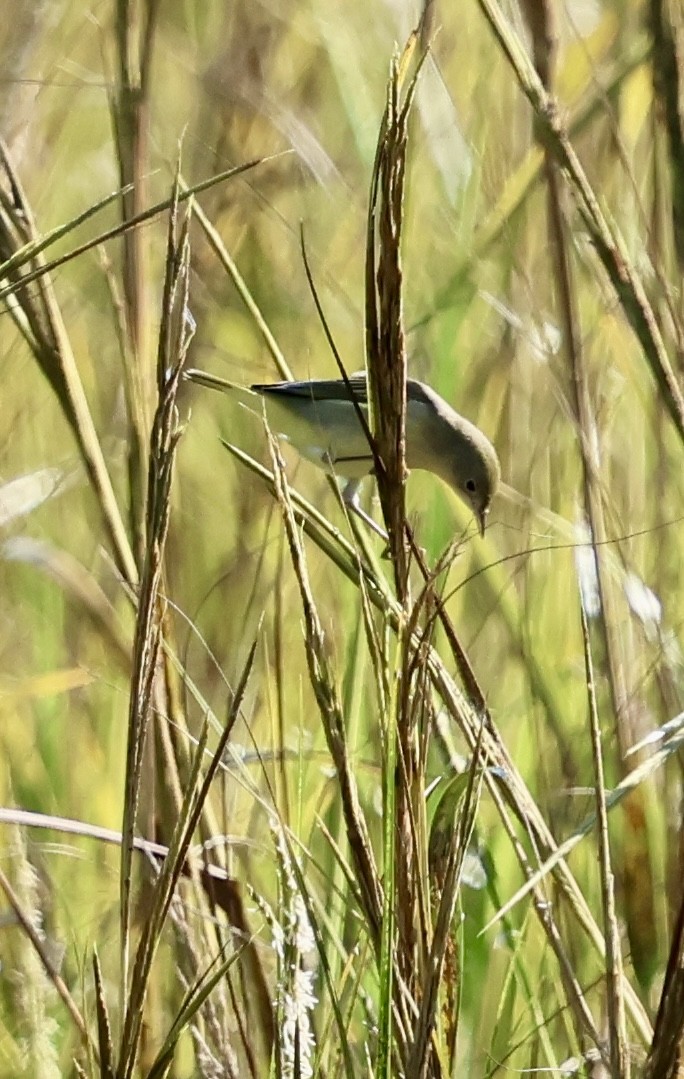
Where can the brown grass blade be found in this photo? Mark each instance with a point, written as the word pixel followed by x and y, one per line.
pixel 609 245
pixel 39 318
pixel 174 339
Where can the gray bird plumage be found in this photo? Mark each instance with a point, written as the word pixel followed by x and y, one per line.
pixel 319 418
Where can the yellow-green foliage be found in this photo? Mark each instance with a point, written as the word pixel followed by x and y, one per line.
pixel 225 83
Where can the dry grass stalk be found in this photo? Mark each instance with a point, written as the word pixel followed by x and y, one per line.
pixel 396 681
pixel 668 77
pixel 323 684
pixel 173 345
pixel 38 318
pixel 135 26
pixel 665 1055
pixel 609 245
pixel 27 922
pixel 544 44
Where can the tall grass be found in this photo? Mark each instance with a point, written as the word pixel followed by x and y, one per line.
pixel 407 815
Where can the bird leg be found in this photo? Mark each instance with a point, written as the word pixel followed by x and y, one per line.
pixel 350 497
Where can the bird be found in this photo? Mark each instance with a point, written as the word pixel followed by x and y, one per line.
pixel 318 417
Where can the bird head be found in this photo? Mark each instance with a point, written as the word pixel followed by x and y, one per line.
pixel 475 471
pixel 444 442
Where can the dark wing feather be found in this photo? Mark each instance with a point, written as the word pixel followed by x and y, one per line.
pixel 317 390
pixel 333 389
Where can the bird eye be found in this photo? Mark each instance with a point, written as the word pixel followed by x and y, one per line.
pixel 470 486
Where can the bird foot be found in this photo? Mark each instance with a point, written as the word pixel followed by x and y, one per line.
pixel 350 497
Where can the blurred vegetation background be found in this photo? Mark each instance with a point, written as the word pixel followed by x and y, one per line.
pixel 101 95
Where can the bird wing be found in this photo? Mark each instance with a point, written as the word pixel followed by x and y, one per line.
pixel 323 389
pixel 318 419
pixel 333 389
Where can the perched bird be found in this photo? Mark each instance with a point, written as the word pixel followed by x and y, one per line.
pixel 320 420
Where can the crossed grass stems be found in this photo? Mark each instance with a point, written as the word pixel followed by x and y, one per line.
pixel 407 906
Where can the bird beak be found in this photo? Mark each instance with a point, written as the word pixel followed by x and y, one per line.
pixel 482 522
